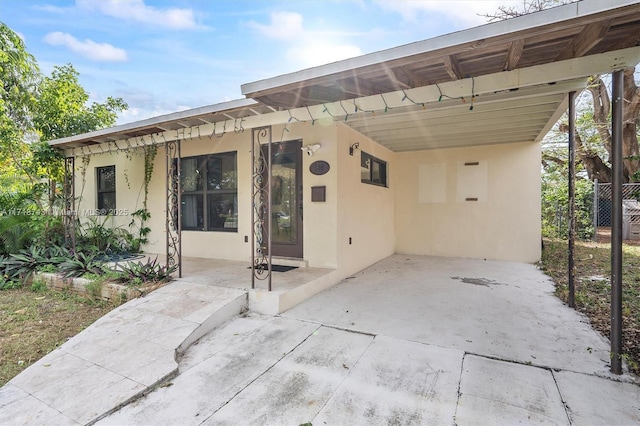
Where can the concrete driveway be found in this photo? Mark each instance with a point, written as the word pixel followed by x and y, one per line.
pixel 411 340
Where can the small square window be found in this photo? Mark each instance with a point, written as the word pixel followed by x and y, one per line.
pixel 373 170
pixel 106 189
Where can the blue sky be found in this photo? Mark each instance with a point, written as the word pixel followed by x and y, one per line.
pixel 163 56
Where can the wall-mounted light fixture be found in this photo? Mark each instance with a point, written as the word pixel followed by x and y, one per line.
pixel 311 149
pixel 353 147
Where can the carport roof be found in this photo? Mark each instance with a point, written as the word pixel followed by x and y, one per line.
pixel 579 29
pixel 517 72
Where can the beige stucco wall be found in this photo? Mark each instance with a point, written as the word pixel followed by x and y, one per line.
pixel 129 187
pixel 422 211
pixel 219 245
pixel 320 219
pixel 433 216
pixel 365 212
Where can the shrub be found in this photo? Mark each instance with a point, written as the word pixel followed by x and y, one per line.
pixel 555 207
pixel 139 272
pixel 38 285
pixel 81 264
pixel 21 266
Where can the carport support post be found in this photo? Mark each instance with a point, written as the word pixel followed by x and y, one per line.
pixel 572 197
pixel 616 221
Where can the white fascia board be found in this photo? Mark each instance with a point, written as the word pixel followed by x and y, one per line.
pixel 495 29
pixel 158 121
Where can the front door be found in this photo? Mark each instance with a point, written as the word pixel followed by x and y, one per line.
pixel 286 199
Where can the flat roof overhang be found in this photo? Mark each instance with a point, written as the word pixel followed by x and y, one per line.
pixel 585 28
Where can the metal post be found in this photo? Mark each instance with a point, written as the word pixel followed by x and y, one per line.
pixel 69 193
pixel 261 206
pixel 616 221
pixel 572 197
pixel 174 205
pixel 596 209
pixel 253 210
pixel 269 206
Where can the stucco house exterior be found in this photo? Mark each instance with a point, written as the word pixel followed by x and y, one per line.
pixel 430 148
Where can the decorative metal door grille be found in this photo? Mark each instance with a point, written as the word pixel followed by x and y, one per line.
pixel 173 215
pixel 261 206
pixel 69 194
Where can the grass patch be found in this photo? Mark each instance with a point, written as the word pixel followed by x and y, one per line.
pixel 593 288
pixel 36 320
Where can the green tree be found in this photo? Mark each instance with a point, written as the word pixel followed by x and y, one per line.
pixel 62 110
pixel 593 132
pixel 19 79
pixel 33 110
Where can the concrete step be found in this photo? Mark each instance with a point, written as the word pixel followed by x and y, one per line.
pixel 289 261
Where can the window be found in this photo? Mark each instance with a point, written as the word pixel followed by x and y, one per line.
pixel 373 170
pixel 106 177
pixel 210 192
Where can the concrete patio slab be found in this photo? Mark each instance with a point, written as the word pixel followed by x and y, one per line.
pixel 594 400
pixel 397 382
pixel 497 309
pixel 29 410
pixel 507 394
pixel 297 387
pixel 216 369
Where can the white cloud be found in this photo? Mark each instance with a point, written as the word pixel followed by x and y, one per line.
pixel 319 54
pixel 138 11
pixel 464 12
pixel 283 26
pixel 305 51
pixel 103 52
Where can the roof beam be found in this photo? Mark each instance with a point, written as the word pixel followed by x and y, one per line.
pixel 402 78
pixel 513 55
pixel 356 86
pixel 632 40
pixel 451 65
pixel 584 41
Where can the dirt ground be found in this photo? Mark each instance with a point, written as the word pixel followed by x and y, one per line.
pixel 604 236
pixel 33 323
pixel 593 287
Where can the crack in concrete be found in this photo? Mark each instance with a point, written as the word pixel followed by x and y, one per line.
pixel 459 391
pixel 567 410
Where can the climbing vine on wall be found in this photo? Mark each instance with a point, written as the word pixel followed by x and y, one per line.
pixel 142 215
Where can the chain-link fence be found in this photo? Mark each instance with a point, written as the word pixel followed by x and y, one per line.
pixel 602 198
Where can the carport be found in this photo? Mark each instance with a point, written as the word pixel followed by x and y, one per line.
pixel 505 82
